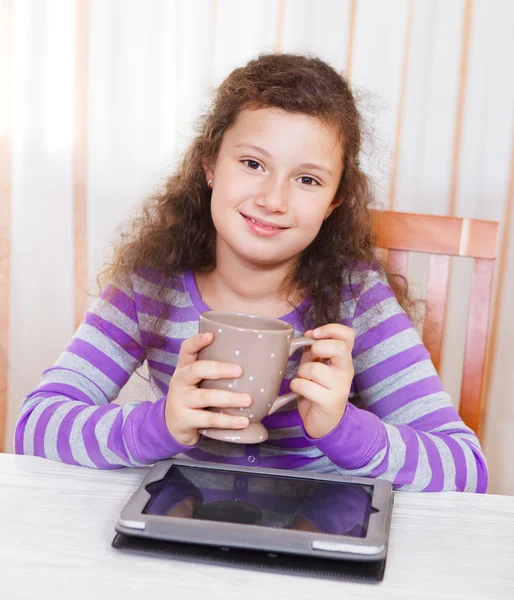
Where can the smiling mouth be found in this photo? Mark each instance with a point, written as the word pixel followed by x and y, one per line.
pixel 261 223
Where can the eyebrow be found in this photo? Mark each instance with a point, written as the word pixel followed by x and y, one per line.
pixel 306 165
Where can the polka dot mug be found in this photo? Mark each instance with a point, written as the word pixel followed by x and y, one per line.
pixel 262 346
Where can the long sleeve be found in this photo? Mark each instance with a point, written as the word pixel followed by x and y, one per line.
pixel 69 416
pixel 408 431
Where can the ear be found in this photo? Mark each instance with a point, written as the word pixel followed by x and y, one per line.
pixel 208 167
pixel 337 201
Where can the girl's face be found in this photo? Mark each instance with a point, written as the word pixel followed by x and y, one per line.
pixel 274 182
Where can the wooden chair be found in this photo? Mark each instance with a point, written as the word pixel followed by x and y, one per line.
pixel 444 237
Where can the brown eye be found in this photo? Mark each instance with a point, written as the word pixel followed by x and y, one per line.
pixel 309 181
pixel 252 164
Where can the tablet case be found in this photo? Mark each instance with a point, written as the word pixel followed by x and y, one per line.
pixel 369 571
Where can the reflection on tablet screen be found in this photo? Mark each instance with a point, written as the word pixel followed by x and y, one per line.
pixel 268 500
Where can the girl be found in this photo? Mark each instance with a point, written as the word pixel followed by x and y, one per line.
pixel 267 213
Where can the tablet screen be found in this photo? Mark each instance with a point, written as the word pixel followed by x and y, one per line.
pixel 262 500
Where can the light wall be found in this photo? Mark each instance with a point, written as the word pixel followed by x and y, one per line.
pixel 98 99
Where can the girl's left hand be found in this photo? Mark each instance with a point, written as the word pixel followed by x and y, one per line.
pixel 325 387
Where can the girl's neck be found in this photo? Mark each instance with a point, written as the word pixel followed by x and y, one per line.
pixel 241 288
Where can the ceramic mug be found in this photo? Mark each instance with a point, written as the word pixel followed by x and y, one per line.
pixel 261 346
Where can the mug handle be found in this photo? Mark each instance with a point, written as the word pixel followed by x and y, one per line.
pixel 296 344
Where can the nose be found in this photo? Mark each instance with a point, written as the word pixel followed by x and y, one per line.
pixel 274 196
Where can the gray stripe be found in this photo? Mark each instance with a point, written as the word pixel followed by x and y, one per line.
pixel 76 380
pixel 50 443
pixel 421 407
pixel 113 315
pixel 395 382
pixel 217 448
pixel 365 470
pixel 423 471
pixel 287 432
pixel 171 296
pixel 453 426
pixel 386 349
pixel 397 453
pixel 72 361
pixel 32 420
pixel 28 403
pixel 448 463
pixel 292 369
pixel 322 465
pixel 77 446
pixel 376 315
pixel 162 377
pixel 105 344
pixel 169 328
pixel 471 466
pixel 267 450
pixel 102 430
pixel 168 358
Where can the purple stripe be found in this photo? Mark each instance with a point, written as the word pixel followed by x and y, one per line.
pixel 115 438
pixel 381 332
pixel 459 459
pixel 40 429
pixel 391 366
pixel 435 419
pixel 117 335
pixel 18 435
pixel 121 301
pixel 161 385
pixel 436 465
pixel 80 376
pixel 407 472
pixel 90 440
pixel 22 422
pixel 162 367
pixel 405 395
pixel 293 442
pixel 98 359
pixel 282 420
pixel 63 436
pixel 64 389
pixel 372 297
pixel 156 308
pixel 151 340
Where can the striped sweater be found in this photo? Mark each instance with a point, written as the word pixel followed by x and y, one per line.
pixel 399 424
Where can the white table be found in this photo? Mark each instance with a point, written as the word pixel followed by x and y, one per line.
pixel 57 523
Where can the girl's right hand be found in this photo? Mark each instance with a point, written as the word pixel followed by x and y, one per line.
pixel 185 407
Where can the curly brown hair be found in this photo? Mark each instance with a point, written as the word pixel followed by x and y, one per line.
pixel 175 231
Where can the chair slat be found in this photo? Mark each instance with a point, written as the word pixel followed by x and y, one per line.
pixel 397 262
pixel 437 294
pixel 400 233
pixel 435 234
pixel 476 343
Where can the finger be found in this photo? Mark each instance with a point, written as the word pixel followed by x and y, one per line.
pixel 209 369
pixel 189 349
pixel 336 351
pixel 203 398
pixel 335 331
pixel 206 419
pixel 321 374
pixel 310 390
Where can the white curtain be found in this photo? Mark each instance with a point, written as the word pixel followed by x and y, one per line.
pixel 433 79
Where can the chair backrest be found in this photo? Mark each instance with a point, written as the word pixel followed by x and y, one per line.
pixel 443 237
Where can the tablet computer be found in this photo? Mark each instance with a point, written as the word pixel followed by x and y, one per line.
pixel 252 508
